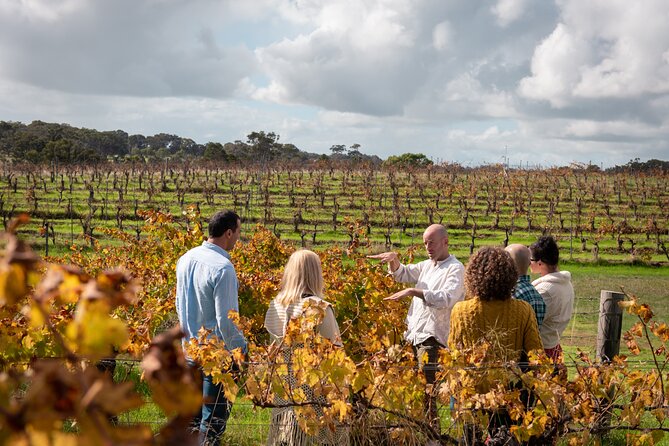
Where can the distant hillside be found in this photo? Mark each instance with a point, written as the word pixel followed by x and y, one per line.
pixel 41 142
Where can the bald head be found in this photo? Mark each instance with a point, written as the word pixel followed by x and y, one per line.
pixel 435 239
pixel 436 230
pixel 521 257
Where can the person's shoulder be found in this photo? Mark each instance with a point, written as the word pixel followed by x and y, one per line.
pixel 467 305
pixel 526 288
pixel 521 306
pixel 539 281
pixel 190 256
pixel 565 275
pixel 272 310
pixel 318 301
pixel 453 262
pixel 557 279
pixel 191 252
pixel 275 304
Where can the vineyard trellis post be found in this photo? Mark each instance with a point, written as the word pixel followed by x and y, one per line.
pixel 608 339
pixel 610 325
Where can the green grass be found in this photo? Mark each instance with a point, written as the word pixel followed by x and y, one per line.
pixel 649 284
pixel 247 425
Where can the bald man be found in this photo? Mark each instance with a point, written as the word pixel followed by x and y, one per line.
pixel 439 285
pixel 524 289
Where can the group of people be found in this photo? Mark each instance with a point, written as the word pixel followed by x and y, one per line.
pixel 524 315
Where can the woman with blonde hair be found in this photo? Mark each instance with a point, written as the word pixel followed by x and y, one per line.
pixel 302 283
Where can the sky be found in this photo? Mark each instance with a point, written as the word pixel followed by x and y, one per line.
pixel 528 82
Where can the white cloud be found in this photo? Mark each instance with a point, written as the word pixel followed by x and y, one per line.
pixel 555 67
pixel 602 49
pixel 508 11
pixel 442 36
pixel 41 11
pixel 573 79
pixel 144 48
pixel 339 119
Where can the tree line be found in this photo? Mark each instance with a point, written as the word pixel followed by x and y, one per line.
pixel 42 142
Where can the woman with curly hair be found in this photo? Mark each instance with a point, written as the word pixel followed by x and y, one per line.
pixel 492 330
pixel 489 313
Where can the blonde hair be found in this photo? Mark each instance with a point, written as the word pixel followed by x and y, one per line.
pixel 303 276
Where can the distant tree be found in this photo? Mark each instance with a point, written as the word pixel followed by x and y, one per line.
pixel 354 151
pixel 408 160
pixel 214 151
pixel 67 151
pixel 338 149
pixel 137 141
pixel 264 146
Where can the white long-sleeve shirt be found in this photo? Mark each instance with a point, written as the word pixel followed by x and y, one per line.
pixel 443 286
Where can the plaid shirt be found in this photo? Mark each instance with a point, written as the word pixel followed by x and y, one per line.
pixel 524 290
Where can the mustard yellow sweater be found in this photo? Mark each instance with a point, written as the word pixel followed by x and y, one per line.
pixel 509 326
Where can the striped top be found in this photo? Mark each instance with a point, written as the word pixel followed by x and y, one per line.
pixel 278 316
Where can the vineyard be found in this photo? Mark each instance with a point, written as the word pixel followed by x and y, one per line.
pixel 596 215
pixel 81 308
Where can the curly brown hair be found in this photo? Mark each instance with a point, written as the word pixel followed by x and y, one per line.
pixel 490 274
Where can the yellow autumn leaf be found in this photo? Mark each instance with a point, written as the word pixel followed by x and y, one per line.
pixel 361 380
pixel 312 377
pixel 175 398
pixel 70 288
pixel 95 334
pixel 52 438
pixel 35 315
pixel 230 387
pixel 13 283
pixel 340 408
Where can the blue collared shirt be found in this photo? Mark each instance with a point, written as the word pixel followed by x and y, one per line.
pixel 206 292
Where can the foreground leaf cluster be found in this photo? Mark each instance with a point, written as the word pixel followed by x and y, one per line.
pixel 60 320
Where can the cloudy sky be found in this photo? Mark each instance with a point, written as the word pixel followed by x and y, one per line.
pixel 535 81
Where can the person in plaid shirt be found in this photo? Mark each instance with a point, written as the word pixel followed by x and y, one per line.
pixel 524 289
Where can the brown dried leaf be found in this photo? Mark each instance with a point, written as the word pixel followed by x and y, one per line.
pixel 176 387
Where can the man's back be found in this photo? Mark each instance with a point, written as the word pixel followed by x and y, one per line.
pixel 524 290
pixel 206 291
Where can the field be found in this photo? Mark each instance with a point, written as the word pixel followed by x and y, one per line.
pixel 612 229
pixel 615 217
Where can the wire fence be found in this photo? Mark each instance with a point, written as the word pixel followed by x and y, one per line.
pixel 253 422
pixel 249 424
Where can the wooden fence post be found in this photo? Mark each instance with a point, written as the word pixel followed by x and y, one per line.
pixel 610 325
pixel 608 345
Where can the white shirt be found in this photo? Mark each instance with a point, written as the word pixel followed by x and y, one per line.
pixel 558 294
pixel 443 286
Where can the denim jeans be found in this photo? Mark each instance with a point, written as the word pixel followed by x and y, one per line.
pixel 213 418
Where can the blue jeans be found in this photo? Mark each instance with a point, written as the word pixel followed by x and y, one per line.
pixel 213 418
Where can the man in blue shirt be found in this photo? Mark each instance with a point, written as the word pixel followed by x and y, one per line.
pixel 524 289
pixel 206 292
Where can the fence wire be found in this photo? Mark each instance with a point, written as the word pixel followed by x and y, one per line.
pixel 250 425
